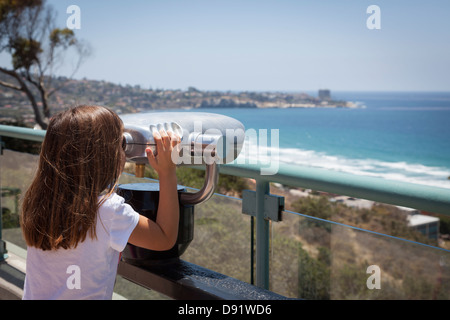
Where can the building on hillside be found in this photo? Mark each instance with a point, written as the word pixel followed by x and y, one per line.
pixel 427 225
pixel 324 95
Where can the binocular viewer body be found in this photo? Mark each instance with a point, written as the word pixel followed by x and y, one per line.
pixel 206 138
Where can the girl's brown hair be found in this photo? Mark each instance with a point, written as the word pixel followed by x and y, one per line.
pixel 80 158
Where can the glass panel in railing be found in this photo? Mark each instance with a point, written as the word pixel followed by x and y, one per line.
pixel 314 258
pixel 407 223
pixel 221 238
pixel 17 169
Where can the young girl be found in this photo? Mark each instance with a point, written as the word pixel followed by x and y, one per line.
pixel 74 224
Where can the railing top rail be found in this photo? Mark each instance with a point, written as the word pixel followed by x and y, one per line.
pixel 422 197
pixel 417 196
pixel 22 133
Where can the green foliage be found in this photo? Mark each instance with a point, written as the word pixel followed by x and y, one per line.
pixel 350 281
pixel 25 52
pixel 195 178
pixel 313 276
pixel 417 288
pixel 13 8
pixel 444 224
pixel 221 240
pixel 318 207
pixel 62 37
pixel 381 218
pixel 9 219
pixel 190 177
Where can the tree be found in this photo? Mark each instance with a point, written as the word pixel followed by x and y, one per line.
pixel 37 49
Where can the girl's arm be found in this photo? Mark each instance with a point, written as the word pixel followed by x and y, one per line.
pixel 162 234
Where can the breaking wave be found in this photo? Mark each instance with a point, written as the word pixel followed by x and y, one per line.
pixel 399 171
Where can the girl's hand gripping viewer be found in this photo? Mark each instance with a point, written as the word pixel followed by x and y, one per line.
pixel 206 139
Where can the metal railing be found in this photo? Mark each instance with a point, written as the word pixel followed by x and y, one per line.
pixel 431 199
pixel 421 197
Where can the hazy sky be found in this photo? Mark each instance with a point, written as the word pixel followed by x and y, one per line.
pixel 266 45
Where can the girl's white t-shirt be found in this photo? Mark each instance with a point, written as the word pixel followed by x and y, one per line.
pixel 89 270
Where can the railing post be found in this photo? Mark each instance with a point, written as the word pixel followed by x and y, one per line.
pixel 262 236
pixel 3 251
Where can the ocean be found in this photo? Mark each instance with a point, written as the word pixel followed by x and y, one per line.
pixel 393 135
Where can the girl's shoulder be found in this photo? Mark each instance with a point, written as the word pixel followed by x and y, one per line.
pixel 113 200
pixel 114 206
pixel 111 204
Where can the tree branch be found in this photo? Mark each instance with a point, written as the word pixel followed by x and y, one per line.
pixel 39 84
pixel 13 74
pixel 24 88
pixel 9 85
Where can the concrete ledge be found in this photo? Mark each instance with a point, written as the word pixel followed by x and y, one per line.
pixel 12 276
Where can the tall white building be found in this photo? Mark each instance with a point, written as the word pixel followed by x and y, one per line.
pixel 324 94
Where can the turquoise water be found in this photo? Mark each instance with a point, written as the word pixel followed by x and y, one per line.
pixel 397 136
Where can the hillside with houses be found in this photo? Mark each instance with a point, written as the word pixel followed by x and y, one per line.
pixel 15 108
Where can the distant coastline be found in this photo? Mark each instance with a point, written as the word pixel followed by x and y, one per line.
pixel 16 109
pixel 280 104
pixel 277 100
